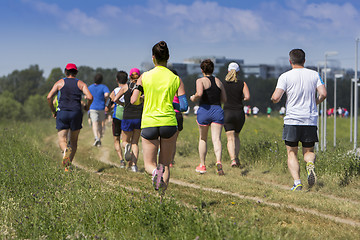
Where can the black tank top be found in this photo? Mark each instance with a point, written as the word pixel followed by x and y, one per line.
pixel 70 96
pixel 234 95
pixel 131 111
pixel 212 95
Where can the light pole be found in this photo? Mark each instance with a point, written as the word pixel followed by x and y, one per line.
pixel 336 76
pixel 356 94
pixel 320 116
pixel 325 101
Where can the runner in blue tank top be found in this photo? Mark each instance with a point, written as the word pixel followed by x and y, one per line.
pixel 69 113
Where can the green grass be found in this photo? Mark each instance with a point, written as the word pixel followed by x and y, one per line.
pixel 40 201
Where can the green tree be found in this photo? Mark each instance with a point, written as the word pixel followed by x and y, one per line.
pixel 55 75
pixel 10 109
pixel 36 107
pixel 23 83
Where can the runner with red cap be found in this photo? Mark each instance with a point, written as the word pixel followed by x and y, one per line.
pixel 69 113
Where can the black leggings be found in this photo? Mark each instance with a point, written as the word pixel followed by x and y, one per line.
pixel 152 133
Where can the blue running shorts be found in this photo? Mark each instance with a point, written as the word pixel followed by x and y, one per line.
pixel 128 125
pixel 69 120
pixel 208 114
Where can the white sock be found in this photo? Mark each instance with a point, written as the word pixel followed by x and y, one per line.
pixel 296 182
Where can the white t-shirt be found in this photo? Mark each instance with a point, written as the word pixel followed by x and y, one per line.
pixel 116 90
pixel 255 110
pixel 300 86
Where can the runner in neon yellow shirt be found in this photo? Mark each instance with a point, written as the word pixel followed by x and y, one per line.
pixel 159 124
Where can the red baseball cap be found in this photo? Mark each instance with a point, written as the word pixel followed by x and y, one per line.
pixel 70 66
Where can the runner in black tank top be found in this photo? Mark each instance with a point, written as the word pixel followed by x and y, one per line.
pixel 211 93
pixel 234 116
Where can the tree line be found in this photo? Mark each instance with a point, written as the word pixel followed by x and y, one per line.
pixel 23 92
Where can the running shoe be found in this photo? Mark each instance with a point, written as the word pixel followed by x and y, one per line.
pixel 127 152
pixel 201 169
pixel 134 168
pixel 235 163
pixel 311 176
pixel 157 177
pixel 219 169
pixel 122 164
pixel 297 187
pixel 66 157
pixel 171 165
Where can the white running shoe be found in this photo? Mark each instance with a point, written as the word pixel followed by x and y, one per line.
pixel 134 168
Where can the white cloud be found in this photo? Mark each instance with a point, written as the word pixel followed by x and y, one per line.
pixel 75 20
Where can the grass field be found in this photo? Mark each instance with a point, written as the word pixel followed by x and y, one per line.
pixel 100 201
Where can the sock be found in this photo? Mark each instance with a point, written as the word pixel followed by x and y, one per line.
pixel 296 182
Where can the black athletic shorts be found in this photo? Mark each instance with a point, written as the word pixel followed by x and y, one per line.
pixel 180 120
pixel 152 133
pixel 116 127
pixel 234 120
pixel 293 134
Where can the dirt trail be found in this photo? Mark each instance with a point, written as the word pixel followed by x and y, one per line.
pixel 104 158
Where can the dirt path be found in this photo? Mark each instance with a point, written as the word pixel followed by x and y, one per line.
pixel 104 158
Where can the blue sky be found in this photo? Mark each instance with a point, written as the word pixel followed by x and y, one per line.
pixel 120 34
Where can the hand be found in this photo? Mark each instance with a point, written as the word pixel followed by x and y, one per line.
pixel 54 114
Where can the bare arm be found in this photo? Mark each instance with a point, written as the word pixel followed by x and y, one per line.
pixel 199 91
pixel 136 93
pixel 119 95
pixel 56 87
pixel 246 92
pixel 278 93
pixel 223 97
pixel 83 87
pixel 322 94
pixel 181 89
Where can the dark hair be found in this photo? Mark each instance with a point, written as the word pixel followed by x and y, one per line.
pixel 161 51
pixel 121 77
pixel 297 56
pixel 98 78
pixel 207 66
pixel 71 72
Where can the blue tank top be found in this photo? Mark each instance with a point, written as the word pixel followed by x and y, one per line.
pixel 70 96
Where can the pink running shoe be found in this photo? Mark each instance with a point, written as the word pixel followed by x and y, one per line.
pixel 201 169
pixel 157 176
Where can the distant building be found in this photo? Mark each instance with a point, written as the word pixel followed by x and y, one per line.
pixel 191 66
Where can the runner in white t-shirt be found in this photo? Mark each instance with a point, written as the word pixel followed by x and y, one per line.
pixel 300 123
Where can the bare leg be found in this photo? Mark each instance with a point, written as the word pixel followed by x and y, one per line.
pixel 96 127
pixel 309 155
pixel 231 146
pixel 167 146
pixel 62 138
pixel 293 162
pixel 216 139
pixel 135 146
pixel 126 139
pixel 203 130
pixel 150 150
pixel 117 146
pixel 174 152
pixel 74 143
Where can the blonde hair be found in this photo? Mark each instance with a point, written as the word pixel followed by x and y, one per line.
pixel 231 76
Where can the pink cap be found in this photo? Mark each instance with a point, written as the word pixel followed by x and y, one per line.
pixel 70 66
pixel 134 70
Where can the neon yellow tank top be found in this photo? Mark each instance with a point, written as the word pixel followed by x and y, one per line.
pixel 160 86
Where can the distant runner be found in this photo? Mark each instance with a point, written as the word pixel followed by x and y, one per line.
pixel 69 114
pixel 100 93
pixel 300 123
pixel 131 123
pixel 159 125
pixel 121 79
